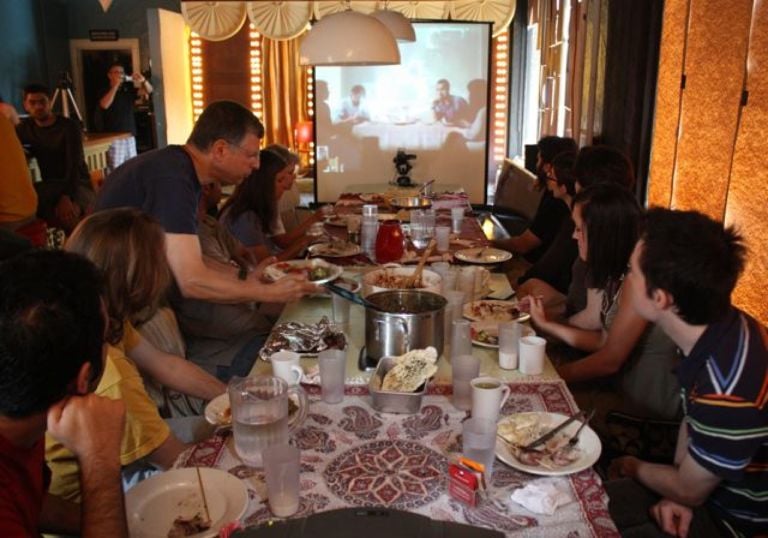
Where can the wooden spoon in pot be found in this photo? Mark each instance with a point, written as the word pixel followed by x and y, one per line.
pixel 415 279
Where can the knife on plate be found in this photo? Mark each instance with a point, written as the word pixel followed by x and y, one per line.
pixel 553 431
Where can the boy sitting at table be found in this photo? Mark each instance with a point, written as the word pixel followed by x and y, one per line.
pixel 682 273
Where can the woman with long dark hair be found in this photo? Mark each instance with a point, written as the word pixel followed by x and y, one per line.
pixel 607 223
pixel 252 216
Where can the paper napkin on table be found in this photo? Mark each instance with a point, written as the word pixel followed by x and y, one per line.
pixel 543 496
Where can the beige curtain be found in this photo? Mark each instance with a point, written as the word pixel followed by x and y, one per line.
pixel 285 90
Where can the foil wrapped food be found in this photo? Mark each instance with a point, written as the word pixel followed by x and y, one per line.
pixel 303 338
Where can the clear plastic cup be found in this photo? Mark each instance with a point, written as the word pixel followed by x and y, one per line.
pixel 282 464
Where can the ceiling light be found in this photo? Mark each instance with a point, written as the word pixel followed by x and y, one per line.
pixel 397 23
pixel 349 38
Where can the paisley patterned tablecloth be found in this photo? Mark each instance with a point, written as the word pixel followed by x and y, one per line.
pixel 353 455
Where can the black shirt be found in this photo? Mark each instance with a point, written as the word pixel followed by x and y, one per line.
pixel 554 267
pixel 118 118
pixel 546 223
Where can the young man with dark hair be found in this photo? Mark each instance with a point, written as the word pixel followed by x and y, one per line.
pixel 65 194
pixel 353 109
pixel 551 212
pixel 448 108
pixel 682 273
pixel 603 164
pixel 52 326
pixel 166 183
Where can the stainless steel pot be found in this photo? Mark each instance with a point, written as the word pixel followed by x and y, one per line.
pixel 405 320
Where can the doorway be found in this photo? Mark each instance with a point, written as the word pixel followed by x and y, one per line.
pixel 90 62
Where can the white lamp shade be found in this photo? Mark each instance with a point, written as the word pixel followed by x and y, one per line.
pixel 349 38
pixel 397 23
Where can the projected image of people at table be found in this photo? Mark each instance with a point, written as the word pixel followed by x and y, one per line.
pixel 433 105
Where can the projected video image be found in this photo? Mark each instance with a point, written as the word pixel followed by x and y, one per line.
pixel 432 106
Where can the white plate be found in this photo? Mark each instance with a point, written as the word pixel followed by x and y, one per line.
pixel 218 411
pixel 491 310
pixel 278 270
pixel 337 249
pixel 336 220
pixel 483 255
pixel 492 329
pixel 589 445
pixel 153 504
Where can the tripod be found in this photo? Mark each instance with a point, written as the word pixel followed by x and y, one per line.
pixel 64 90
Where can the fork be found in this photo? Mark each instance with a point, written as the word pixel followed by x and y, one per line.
pixel 575 437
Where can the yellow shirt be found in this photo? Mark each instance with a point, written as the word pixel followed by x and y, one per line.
pixel 145 430
pixel 18 199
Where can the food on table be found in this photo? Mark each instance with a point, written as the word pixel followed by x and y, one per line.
pixel 485 336
pixel 493 310
pixel 411 370
pixel 522 429
pixel 189 526
pixel 335 248
pixel 317 272
pixel 304 338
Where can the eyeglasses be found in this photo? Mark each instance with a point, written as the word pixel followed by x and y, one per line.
pixel 248 154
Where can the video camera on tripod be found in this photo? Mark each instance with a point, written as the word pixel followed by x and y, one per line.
pixel 64 91
pixel 403 167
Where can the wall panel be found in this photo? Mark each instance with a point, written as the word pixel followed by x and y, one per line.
pixel 746 204
pixel 714 67
pixel 667 103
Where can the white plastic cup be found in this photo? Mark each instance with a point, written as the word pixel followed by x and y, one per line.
pixel 532 350
pixel 509 339
pixel 285 365
pixel 282 464
pixel 457 217
pixel 466 281
pixel 333 365
pixel 443 237
pixel 464 369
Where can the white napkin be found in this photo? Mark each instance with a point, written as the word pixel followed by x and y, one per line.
pixel 543 496
pixel 311 375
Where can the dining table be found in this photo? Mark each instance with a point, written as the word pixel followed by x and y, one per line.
pixel 353 455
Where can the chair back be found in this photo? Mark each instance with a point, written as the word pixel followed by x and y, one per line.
pixel 516 191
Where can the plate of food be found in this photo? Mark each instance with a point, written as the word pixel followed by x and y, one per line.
pixel 486 333
pixel 492 310
pixel 483 255
pixel 316 270
pixel 336 220
pixel 373 198
pixel 335 249
pixel 171 503
pixel 555 456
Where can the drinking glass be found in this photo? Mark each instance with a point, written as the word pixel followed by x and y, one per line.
pixel 461 339
pixel 333 365
pixel 281 467
pixel 479 442
pixel 464 369
pixel 443 236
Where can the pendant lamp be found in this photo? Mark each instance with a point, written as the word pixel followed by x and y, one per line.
pixel 349 38
pixel 397 23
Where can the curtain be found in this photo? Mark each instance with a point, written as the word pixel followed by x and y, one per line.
pixel 285 91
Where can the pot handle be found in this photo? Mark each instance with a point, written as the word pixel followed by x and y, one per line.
pixel 404 325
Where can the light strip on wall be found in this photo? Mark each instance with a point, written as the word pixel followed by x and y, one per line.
pixel 254 58
pixel 311 109
pixel 499 92
pixel 196 73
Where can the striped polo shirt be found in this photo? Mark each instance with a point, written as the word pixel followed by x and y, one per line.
pixel 725 397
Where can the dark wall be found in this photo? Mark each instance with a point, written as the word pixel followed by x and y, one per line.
pixel 128 17
pixel 634 37
pixel 33 38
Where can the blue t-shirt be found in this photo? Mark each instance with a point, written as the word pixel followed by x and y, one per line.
pixel 162 183
pixel 725 396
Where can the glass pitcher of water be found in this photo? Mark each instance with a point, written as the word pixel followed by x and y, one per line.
pixel 260 414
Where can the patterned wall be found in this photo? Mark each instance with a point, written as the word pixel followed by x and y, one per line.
pixel 707 143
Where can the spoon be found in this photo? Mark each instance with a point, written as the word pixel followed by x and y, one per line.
pixel 351 296
pixel 415 278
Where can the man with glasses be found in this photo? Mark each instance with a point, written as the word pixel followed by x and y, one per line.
pixel 166 183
